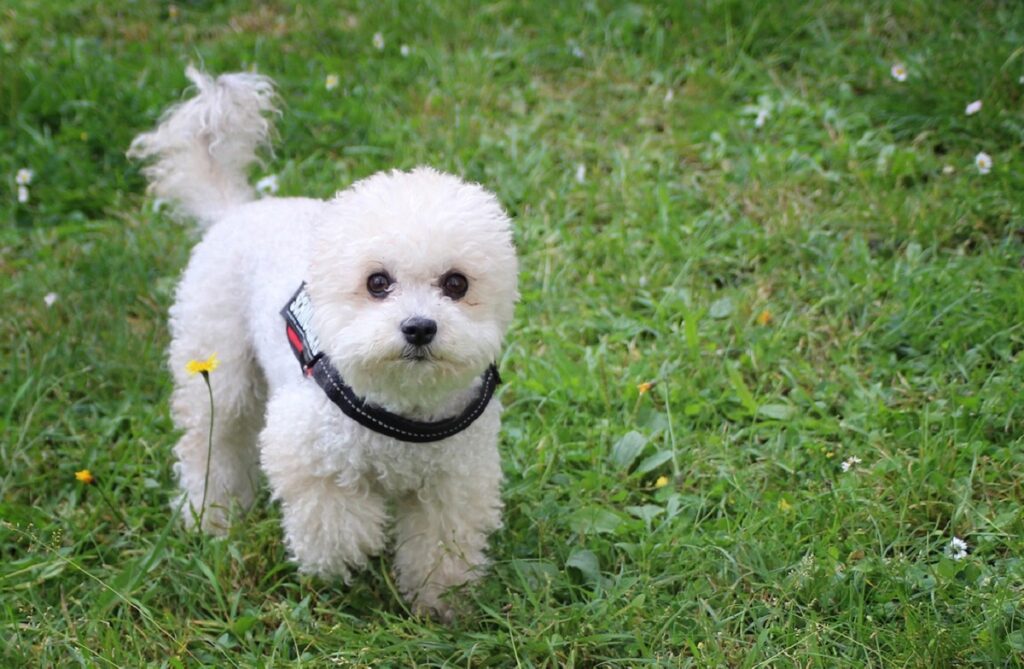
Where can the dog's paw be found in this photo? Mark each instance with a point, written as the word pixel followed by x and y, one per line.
pixel 444 612
pixel 443 605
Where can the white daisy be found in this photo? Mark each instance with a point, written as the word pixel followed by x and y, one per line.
pixel 49 299
pixel 957 548
pixel 404 50
pixel 22 194
pixel 899 72
pixel 24 176
pixel 581 173
pixel 973 108
pixel 983 162
pixel 762 116
pixel 850 462
pixel 948 169
pixel 378 41
pixel 331 82
pixel 267 185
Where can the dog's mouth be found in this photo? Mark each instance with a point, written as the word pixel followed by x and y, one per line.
pixel 418 354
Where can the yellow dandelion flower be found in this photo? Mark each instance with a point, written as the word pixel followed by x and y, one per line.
pixel 84 476
pixel 202 366
pixel 661 482
pixel 764 318
pixel 644 387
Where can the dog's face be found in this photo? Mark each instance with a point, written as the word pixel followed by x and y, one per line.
pixel 413 283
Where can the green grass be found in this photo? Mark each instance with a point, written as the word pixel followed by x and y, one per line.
pixel 893 286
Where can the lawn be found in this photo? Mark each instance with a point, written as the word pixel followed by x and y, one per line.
pixel 763 388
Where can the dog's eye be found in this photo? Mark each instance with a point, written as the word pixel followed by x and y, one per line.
pixel 454 285
pixel 378 284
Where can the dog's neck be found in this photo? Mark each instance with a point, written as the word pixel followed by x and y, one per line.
pixel 423 404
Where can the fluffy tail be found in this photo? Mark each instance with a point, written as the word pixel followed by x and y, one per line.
pixel 203 147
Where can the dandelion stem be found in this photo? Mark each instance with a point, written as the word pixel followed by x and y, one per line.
pixel 113 509
pixel 671 430
pixel 209 451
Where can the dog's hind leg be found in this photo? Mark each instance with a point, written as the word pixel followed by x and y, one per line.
pixel 219 475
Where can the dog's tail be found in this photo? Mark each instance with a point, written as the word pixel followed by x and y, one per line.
pixel 203 147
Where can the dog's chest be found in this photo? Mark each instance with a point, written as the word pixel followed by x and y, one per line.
pixel 399 467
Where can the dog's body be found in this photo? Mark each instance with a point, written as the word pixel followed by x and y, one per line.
pixel 412 281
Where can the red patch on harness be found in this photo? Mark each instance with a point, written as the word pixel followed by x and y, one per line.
pixel 295 340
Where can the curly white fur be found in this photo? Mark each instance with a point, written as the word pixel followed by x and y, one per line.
pixel 333 477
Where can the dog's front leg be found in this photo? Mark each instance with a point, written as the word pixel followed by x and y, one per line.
pixel 334 520
pixel 441 533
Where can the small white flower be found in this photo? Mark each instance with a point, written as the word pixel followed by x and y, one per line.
pixel 850 462
pixel 1021 79
pixel 49 299
pixel 669 94
pixel 404 50
pixel 762 116
pixel 973 108
pixel 577 51
pixel 581 173
pixel 957 548
pixel 983 162
pixel 22 194
pixel 24 176
pixel 948 169
pixel 267 185
pixel 899 72
pixel 331 82
pixel 378 41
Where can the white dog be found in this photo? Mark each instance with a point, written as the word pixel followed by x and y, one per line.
pixel 356 339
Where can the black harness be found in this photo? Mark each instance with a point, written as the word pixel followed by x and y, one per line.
pixel 315 363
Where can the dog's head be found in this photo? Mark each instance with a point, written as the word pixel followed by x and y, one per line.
pixel 413 282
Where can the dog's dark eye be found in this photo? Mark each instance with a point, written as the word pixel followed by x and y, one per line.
pixel 454 285
pixel 378 284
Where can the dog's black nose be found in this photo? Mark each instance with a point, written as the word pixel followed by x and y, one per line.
pixel 419 331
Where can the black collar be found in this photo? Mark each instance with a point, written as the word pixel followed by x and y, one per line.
pixel 315 363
